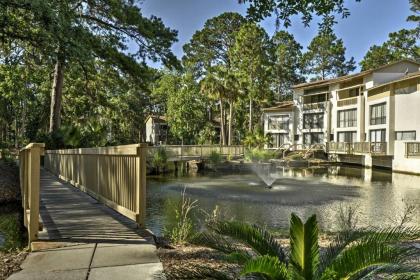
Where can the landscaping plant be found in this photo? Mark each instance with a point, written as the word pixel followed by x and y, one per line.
pixel 182 230
pixel 353 254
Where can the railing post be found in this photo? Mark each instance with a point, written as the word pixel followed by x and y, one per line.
pixel 34 186
pixel 141 184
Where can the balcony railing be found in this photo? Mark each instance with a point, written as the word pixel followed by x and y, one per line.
pixel 347 102
pixel 313 106
pixel 374 148
pixel 378 120
pixel 412 149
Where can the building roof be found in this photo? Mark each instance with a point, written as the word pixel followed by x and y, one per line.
pixel 285 106
pixel 348 77
pixel 156 118
pixel 409 76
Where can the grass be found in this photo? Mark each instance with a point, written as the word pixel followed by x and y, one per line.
pixel 10 229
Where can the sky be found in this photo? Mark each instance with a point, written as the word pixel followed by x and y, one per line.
pixel 369 23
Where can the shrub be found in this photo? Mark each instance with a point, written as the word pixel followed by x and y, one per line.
pixel 215 157
pixel 160 158
pixel 256 155
pixel 182 230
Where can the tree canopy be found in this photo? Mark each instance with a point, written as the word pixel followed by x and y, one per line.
pixel 285 9
pixel 326 54
pixel 80 31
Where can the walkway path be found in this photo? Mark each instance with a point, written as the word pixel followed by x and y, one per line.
pixel 83 239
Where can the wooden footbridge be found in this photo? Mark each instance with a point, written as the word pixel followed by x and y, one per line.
pixel 114 176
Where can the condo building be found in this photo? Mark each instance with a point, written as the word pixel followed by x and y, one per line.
pixel 371 118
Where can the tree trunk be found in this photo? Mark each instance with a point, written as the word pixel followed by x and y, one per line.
pixel 250 115
pixel 56 96
pixel 230 123
pixel 222 124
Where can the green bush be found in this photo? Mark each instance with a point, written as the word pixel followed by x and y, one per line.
pixel 256 155
pixel 160 158
pixel 352 254
pixel 215 157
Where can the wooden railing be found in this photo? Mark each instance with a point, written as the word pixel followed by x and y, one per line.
pixel 412 149
pixel 313 106
pixel 338 147
pixel 347 102
pixel 375 148
pixel 115 176
pixel 179 152
pixel 29 175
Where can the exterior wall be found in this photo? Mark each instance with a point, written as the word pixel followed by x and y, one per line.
pixel 150 133
pixel 407 109
pixel 394 72
pixel 403 164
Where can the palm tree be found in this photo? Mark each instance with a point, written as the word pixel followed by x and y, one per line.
pixel 213 86
pixel 352 254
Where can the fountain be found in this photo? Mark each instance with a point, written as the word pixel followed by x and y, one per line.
pixel 264 172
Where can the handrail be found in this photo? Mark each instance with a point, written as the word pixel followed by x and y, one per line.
pixel 375 148
pixel 29 176
pixel 115 176
pixel 202 151
pixel 412 149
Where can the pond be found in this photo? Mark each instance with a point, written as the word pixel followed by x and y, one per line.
pixel 379 196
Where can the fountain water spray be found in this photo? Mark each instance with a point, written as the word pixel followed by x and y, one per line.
pixel 264 171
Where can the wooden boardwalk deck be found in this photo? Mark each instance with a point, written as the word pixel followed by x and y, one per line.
pixel 72 215
pixel 85 240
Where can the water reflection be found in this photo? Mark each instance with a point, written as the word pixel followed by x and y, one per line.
pixel 380 196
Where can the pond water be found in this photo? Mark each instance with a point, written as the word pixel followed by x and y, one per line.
pixel 378 196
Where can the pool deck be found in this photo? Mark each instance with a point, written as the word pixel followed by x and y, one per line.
pixel 83 239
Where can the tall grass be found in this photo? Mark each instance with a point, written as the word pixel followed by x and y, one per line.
pixel 182 230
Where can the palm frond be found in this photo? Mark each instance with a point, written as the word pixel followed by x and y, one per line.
pixel 304 255
pixel 369 256
pixel 391 234
pixel 214 241
pixel 397 271
pixel 268 266
pixel 343 239
pixel 260 240
pixel 340 241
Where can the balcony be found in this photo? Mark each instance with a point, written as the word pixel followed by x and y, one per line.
pixel 373 148
pixel 314 106
pixel 412 149
pixel 347 102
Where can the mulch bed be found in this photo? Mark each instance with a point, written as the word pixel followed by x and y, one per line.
pixel 194 262
pixel 10 262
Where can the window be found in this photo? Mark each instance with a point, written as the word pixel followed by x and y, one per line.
pixel 278 122
pixel 407 89
pixel 347 136
pixel 277 139
pixel 378 114
pixel 313 120
pixel 313 138
pixel 377 135
pixel 347 118
pixel 315 98
pixel 405 135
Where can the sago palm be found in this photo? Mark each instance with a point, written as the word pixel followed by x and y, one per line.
pixel 351 255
